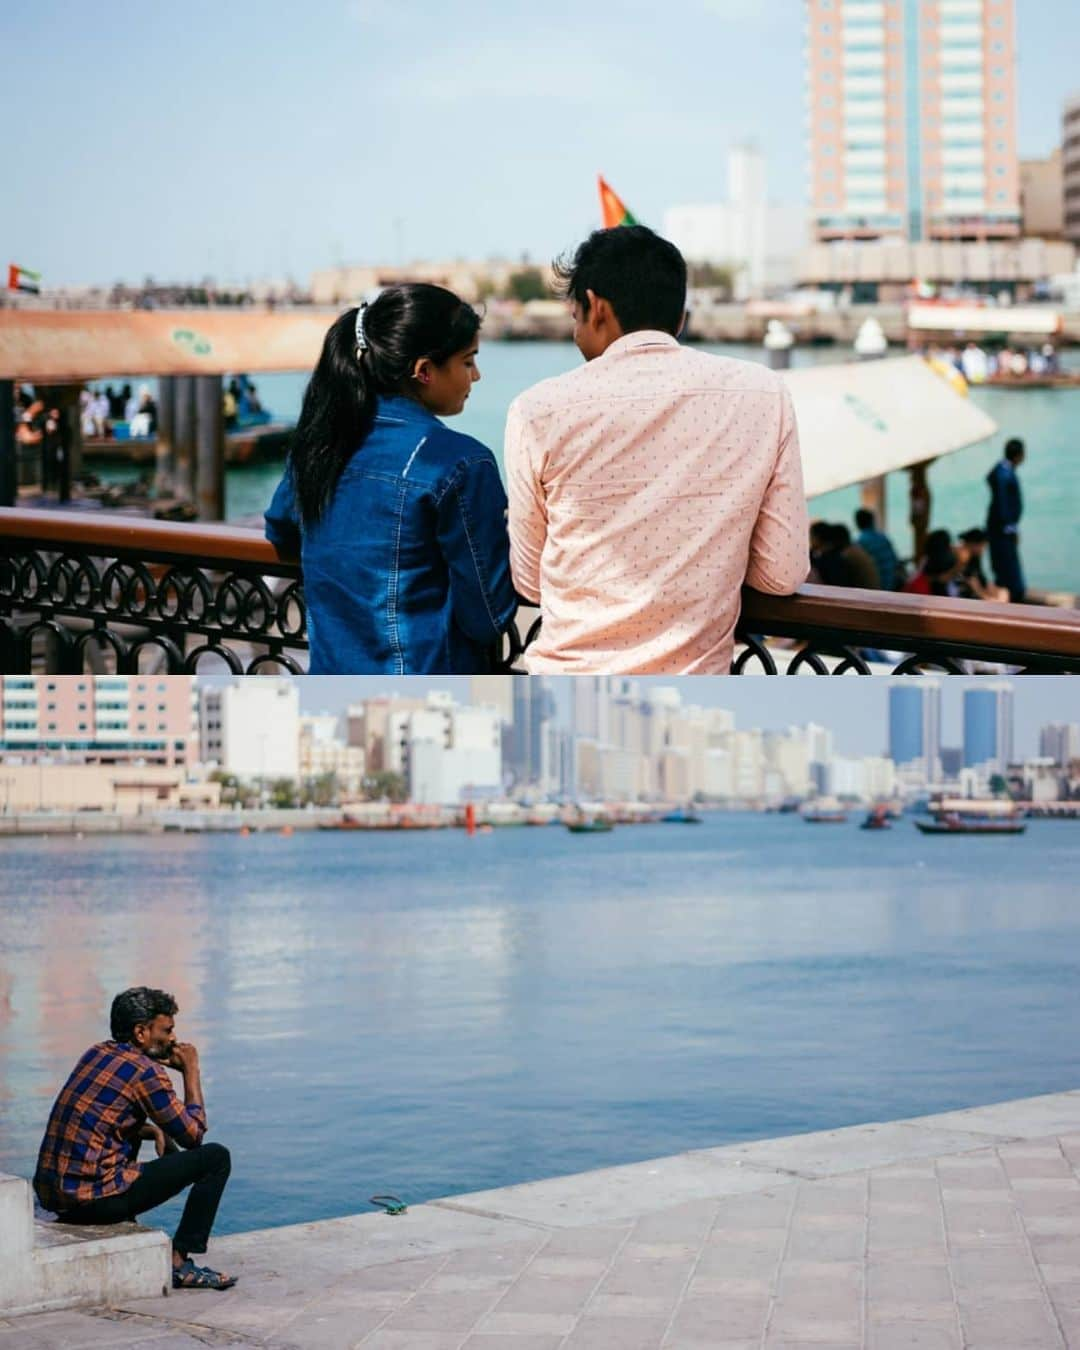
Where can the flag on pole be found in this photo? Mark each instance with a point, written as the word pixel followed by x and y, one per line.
pixel 22 279
pixel 612 208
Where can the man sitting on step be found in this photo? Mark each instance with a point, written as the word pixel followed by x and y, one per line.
pixel 117 1095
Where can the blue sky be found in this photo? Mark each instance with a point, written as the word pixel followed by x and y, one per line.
pixel 266 137
pixel 855 708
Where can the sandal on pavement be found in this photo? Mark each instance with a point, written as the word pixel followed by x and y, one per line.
pixel 187 1275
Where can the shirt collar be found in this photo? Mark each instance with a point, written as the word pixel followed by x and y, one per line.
pixel 645 337
pixel 402 409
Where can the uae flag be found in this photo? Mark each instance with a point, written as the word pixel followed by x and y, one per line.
pixel 22 279
pixel 612 207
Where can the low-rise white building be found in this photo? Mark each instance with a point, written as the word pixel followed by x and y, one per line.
pixel 451 754
pixel 251 728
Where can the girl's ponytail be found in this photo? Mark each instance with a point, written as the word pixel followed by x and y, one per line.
pixel 338 410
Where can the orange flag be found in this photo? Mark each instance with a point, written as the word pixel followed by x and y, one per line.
pixel 612 209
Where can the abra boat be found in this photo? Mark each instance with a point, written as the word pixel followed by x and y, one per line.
pixel 595 826
pixel 680 816
pixel 877 819
pixel 969 815
pixel 958 824
pixel 825 813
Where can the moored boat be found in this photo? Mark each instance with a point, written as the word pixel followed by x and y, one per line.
pixel 827 811
pixel 680 816
pixel 957 824
pixel 594 825
pixel 965 815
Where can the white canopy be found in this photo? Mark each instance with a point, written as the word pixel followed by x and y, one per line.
pixel 1033 319
pixel 867 418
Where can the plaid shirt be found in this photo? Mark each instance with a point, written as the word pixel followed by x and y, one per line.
pixel 92 1139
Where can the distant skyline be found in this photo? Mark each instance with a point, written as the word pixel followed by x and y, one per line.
pixel 265 140
pixel 855 709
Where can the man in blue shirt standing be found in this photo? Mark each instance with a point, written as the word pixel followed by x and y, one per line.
pixel 1003 521
pixel 879 546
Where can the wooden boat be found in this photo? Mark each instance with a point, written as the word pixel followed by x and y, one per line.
pixel 680 816
pixel 825 815
pixel 1062 379
pixel 877 819
pixel 597 825
pixel 245 445
pixel 958 824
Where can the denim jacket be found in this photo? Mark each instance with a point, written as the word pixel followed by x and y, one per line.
pixel 407 572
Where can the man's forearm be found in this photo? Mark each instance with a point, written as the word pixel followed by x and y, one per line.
pixel 193 1093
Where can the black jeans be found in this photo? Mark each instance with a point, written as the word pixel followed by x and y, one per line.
pixel 205 1169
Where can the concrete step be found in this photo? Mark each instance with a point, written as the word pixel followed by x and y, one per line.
pixel 47 1265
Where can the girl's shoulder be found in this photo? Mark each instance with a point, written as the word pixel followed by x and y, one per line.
pixel 445 451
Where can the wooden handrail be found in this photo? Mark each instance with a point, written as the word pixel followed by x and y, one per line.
pixel 1038 629
pixel 851 614
pixel 101 531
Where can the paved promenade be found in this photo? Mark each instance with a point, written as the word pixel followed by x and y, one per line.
pixel 950 1232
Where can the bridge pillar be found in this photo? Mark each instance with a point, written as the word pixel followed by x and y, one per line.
pixel 210 447
pixel 164 455
pixel 184 436
pixel 8 472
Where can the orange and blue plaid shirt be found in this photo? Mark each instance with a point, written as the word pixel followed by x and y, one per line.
pixel 92 1139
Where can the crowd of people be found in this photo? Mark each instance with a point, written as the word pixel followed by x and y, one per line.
pixel 978 365
pixel 105 410
pixel 947 566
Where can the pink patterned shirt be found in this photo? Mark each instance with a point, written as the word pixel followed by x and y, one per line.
pixel 645 487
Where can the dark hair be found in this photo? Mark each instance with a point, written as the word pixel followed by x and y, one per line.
pixel 135 1007
pixel 974 536
pixel 819 531
pixel 404 324
pixel 864 518
pixel 839 536
pixel 939 552
pixel 1014 449
pixel 640 275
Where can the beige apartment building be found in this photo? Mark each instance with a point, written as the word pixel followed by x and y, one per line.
pixel 911 107
pixel 99 719
pixel 1042 196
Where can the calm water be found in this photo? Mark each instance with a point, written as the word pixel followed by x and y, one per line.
pixel 1047 419
pixel 442 1014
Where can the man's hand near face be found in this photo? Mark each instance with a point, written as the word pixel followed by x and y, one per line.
pixel 185 1057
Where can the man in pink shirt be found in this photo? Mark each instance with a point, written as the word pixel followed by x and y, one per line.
pixel 649 484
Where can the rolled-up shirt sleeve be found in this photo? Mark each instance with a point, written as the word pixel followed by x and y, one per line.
pixel 779 558
pixel 528 510
pixel 154 1095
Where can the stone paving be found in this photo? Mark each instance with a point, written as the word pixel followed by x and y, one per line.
pixel 954 1232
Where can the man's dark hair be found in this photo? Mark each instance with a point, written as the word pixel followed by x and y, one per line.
pixel 974 536
pixel 864 518
pixel 136 1007
pixel 640 275
pixel 1014 450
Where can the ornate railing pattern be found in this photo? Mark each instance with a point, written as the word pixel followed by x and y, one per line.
pixel 120 593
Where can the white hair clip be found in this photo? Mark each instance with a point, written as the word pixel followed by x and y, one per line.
pixel 361 336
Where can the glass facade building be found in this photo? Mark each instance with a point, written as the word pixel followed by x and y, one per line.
pixel 988 727
pixel 915 726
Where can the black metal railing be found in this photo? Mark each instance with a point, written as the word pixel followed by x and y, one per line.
pixel 110 592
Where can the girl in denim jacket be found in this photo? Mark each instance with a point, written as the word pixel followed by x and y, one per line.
pixel 399 522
